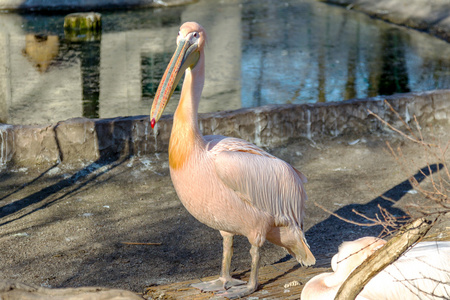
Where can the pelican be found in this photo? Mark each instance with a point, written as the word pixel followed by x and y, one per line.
pixel 227 183
pixel 423 272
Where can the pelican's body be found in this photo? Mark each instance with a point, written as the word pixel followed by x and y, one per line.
pixel 423 272
pixel 214 189
pixel 227 183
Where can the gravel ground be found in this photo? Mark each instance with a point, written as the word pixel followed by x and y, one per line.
pixel 68 226
pixel 80 225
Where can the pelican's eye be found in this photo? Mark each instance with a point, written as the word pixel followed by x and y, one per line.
pixel 195 34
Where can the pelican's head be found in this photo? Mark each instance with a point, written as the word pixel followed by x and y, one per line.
pixel 352 254
pixel 190 43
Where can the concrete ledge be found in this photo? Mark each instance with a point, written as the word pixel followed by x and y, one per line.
pixel 84 5
pixel 84 140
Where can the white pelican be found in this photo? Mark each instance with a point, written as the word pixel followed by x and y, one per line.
pixel 423 272
pixel 227 183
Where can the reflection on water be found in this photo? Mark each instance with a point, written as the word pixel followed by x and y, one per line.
pixel 259 52
pixel 41 50
pixel 90 74
pixel 394 76
pixel 317 53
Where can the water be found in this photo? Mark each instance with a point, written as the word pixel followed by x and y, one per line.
pixel 259 52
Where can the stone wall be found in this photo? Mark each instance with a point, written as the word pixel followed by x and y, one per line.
pixel 84 140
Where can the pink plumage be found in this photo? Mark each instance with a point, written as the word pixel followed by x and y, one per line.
pixel 227 183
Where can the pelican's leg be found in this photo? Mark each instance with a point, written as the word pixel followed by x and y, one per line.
pixel 252 285
pixel 225 281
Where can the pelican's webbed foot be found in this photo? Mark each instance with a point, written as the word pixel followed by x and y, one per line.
pixel 238 291
pixel 220 284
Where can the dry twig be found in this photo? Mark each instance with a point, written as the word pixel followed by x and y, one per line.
pixel 145 244
pixel 435 192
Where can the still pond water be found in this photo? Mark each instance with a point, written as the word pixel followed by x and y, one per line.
pixel 258 53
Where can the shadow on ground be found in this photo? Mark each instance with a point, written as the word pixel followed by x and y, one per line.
pixel 326 236
pixel 68 227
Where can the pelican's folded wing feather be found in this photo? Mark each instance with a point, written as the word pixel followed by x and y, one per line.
pixel 267 182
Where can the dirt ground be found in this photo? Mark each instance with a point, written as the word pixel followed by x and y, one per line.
pixel 92 224
pixel 73 226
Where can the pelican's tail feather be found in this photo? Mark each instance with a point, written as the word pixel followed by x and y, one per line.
pixel 293 240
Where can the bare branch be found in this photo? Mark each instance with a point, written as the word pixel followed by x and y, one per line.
pixel 344 219
pixel 433 184
pixel 392 127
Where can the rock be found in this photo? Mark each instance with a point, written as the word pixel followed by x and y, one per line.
pixel 83 21
pixel 83 26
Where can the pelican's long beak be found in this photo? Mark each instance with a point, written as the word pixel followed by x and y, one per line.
pixel 184 57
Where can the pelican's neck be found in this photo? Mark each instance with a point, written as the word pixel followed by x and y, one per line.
pixel 187 110
pixel 186 137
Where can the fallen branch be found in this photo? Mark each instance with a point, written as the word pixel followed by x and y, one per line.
pixel 394 248
pixel 146 244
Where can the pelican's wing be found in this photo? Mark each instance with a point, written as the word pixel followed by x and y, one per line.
pixel 421 273
pixel 265 181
